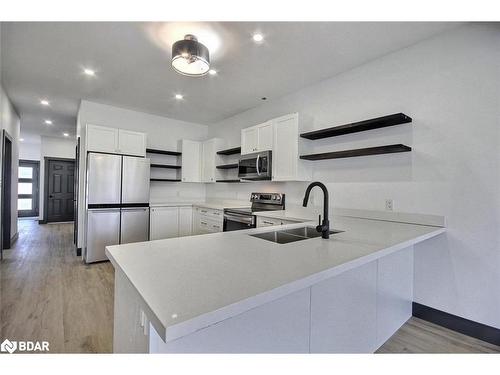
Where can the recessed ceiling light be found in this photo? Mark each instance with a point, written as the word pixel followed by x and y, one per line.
pixel 258 37
pixel 89 72
pixel 44 102
pixel 66 134
pixel 212 72
pixel 48 122
pixel 179 96
pixel 21 139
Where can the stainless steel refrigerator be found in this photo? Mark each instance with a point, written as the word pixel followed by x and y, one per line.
pixel 117 206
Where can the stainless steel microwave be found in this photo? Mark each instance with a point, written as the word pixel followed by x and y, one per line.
pixel 255 166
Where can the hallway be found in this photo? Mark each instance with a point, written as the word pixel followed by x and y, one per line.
pixel 47 293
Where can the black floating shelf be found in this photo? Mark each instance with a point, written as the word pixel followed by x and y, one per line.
pixel 165 179
pixel 228 181
pixel 389 149
pixel 227 166
pixel 167 166
pixel 163 152
pixel 374 123
pixel 230 151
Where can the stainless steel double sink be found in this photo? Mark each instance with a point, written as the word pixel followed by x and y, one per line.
pixel 291 235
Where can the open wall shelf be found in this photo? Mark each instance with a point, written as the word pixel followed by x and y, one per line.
pixel 163 152
pixel 228 181
pixel 228 166
pixel 165 179
pixel 166 166
pixel 230 151
pixel 374 123
pixel 388 149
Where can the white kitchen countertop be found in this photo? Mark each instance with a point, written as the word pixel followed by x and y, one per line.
pixel 189 283
pixel 213 204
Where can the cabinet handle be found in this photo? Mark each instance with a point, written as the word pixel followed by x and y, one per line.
pixel 267 222
pixel 216 226
pixel 202 222
pixel 204 211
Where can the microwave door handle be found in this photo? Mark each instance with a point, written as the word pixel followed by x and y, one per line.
pixel 257 166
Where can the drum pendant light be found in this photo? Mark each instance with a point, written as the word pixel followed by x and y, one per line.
pixel 190 57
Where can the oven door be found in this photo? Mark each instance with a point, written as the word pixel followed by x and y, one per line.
pixel 234 221
pixel 255 166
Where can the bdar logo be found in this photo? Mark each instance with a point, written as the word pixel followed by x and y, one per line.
pixel 8 346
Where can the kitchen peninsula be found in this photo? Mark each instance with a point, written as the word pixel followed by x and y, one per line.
pixel 233 292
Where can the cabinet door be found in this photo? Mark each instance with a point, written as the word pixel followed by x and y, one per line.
pixel 249 140
pixel 102 139
pixel 285 150
pixel 185 221
pixel 265 136
pixel 164 222
pixel 131 143
pixel 208 158
pixel 191 161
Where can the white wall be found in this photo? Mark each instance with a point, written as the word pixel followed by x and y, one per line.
pixel 29 151
pixel 53 147
pixel 449 85
pixel 162 133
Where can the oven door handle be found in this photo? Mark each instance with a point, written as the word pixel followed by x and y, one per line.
pixel 239 219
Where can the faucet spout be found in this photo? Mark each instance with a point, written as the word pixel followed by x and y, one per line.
pixel 324 226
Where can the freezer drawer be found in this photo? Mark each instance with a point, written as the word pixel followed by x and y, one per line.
pixel 134 225
pixel 104 178
pixel 135 180
pixel 103 229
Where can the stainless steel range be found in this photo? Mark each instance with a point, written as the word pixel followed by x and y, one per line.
pixel 244 218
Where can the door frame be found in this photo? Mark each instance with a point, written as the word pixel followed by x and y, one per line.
pixel 6 202
pixel 36 194
pixel 48 159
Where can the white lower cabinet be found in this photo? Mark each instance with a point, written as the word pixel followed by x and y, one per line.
pixel 185 221
pixel 170 222
pixel 269 222
pixel 206 220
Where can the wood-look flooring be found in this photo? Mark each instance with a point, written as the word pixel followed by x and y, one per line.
pixel 47 293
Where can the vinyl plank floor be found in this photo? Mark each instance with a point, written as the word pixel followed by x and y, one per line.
pixel 47 293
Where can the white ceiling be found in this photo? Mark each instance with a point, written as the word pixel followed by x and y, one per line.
pixel 45 60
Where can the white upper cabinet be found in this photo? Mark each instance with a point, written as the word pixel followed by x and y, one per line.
pixel 191 160
pixel 115 141
pixel 131 143
pixel 257 138
pixel 286 150
pixel 209 159
pixel 102 139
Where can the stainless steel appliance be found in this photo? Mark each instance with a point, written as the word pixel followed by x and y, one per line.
pixel 255 166
pixel 117 202
pixel 243 218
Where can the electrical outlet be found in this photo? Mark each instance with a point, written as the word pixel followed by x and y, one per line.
pixel 389 205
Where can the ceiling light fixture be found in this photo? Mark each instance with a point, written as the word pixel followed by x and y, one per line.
pixel 179 96
pixel 212 72
pixel 48 122
pixel 89 72
pixel 258 38
pixel 66 134
pixel 44 102
pixel 190 57
pixel 21 139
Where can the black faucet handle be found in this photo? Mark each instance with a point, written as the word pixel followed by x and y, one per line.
pixel 319 227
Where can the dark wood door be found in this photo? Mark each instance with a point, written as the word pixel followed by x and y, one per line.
pixel 60 190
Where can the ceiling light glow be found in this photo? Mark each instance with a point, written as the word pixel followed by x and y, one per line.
pixel 179 96
pixel 212 72
pixel 66 134
pixel 21 139
pixel 44 102
pixel 258 37
pixel 48 122
pixel 89 72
